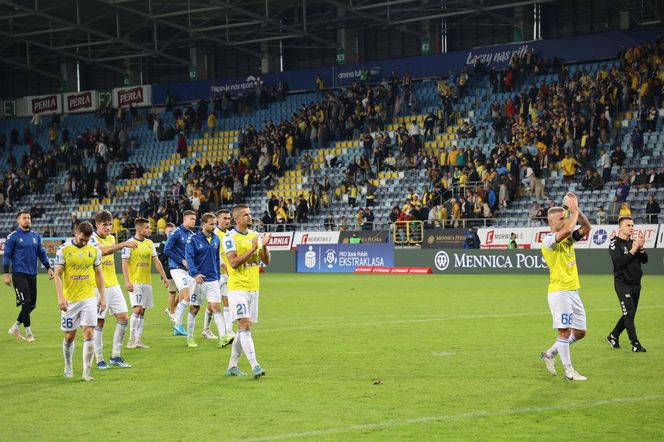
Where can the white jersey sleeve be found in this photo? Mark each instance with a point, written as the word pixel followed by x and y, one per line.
pixel 229 244
pixel 126 252
pixel 97 262
pixel 59 258
pixel 549 241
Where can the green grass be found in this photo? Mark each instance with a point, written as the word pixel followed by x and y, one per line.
pixel 365 357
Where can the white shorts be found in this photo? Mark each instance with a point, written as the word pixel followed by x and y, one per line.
pixel 567 309
pixel 243 304
pixel 171 286
pixel 115 301
pixel 141 296
pixel 223 284
pixel 208 290
pixel 79 314
pixel 182 279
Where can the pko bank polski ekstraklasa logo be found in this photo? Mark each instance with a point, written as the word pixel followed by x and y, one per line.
pixel 330 258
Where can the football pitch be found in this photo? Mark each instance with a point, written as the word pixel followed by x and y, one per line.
pixel 352 357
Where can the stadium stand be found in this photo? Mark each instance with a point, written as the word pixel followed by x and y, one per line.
pixel 494 120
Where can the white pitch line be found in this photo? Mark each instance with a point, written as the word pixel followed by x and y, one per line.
pixel 431 319
pixel 161 322
pixel 453 417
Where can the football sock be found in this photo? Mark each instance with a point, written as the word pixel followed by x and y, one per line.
pixel 68 352
pixel 248 346
pixel 236 352
pixel 219 320
pixel 133 319
pixel 98 343
pixel 191 324
pixel 88 351
pixel 206 319
pixel 228 321
pixel 139 327
pixel 16 325
pixel 28 330
pixel 562 345
pixel 179 311
pixel 118 338
pixel 572 339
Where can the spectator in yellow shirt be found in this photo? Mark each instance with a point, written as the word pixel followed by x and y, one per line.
pixel 569 165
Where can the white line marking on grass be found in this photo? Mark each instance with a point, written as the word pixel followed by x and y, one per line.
pixel 436 318
pixel 442 353
pixel 454 417
pixel 154 322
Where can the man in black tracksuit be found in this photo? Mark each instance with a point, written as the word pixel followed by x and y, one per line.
pixel 627 256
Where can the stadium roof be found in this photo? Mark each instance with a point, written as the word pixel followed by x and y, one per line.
pixel 107 32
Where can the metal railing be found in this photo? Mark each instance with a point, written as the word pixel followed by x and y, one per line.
pixel 407 232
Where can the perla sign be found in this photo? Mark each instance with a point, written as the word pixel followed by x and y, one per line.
pixel 470 262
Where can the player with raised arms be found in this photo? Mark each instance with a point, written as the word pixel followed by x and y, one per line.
pixel 174 249
pixel 138 279
pixel 77 274
pixel 115 299
pixel 567 310
pixel 245 249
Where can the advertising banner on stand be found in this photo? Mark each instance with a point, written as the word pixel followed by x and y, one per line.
pixel 498 238
pixel 323 237
pixel 85 101
pixel 44 104
pixel 601 235
pixel 342 258
pixel 136 96
pixel 444 238
pixel 366 236
pixel 540 232
pixel 280 241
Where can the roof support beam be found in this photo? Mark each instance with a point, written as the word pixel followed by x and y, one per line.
pixel 96 32
pixel 30 68
pixel 372 17
pixel 192 32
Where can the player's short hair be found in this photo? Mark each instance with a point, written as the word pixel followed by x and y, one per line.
pixel 237 208
pixel 169 225
pixel 84 228
pixel 222 212
pixel 207 217
pixel 103 216
pixel 187 213
pixel 18 215
pixel 624 218
pixel 141 222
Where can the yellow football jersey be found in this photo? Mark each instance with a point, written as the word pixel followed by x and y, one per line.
pixel 140 261
pixel 78 277
pixel 245 277
pixel 561 260
pixel 108 261
pixel 223 261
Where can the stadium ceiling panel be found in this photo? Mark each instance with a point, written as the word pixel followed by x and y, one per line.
pixel 38 33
